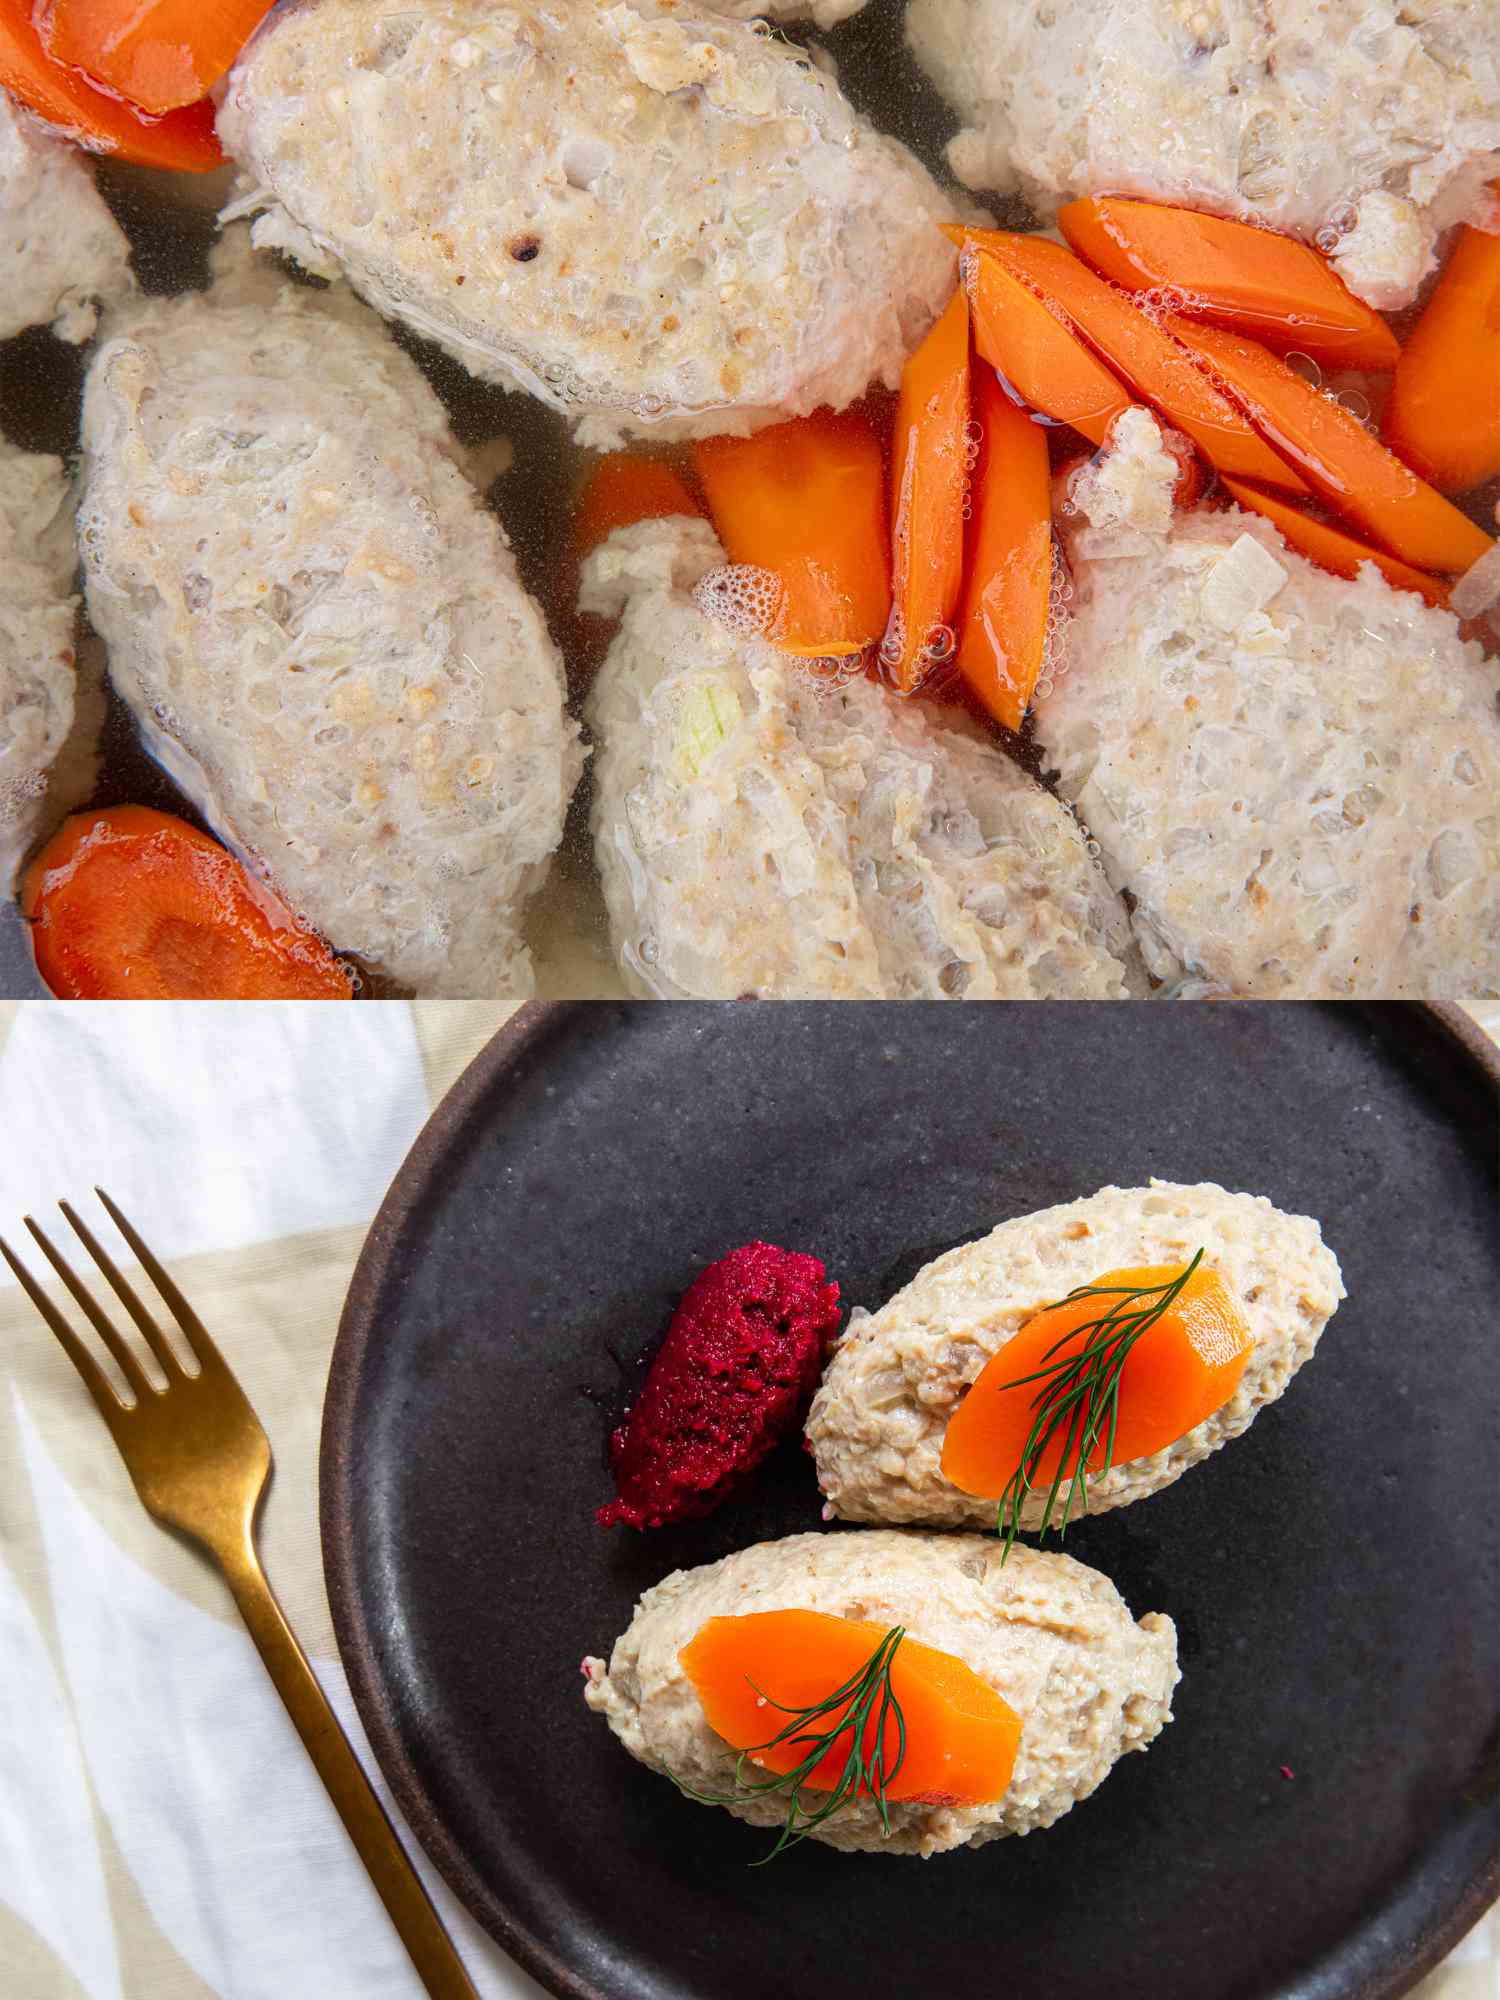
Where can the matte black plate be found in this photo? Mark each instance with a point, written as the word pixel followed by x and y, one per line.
pixel 1333 1575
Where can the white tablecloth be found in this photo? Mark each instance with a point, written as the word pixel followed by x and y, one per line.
pixel 162 1835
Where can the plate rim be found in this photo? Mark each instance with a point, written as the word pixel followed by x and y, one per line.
pixel 525 1028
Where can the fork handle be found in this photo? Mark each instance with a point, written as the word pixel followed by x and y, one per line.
pixel 396 1880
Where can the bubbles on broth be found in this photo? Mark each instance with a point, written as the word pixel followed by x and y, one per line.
pixel 742 597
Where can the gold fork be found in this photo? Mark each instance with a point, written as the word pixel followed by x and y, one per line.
pixel 200 1459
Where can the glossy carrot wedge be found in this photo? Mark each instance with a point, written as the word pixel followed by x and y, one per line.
pixel 1148 360
pixel 183 140
pixel 622 488
pixel 961 1736
pixel 1175 1376
pixel 1272 287
pixel 1003 613
pixel 131 904
pixel 806 501
pixel 160 54
pixel 1330 548
pixel 1036 350
pixel 928 477
pixel 1345 466
pixel 1443 415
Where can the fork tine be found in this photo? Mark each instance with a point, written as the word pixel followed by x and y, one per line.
pixel 192 1328
pixel 94 1379
pixel 151 1333
pixel 98 1319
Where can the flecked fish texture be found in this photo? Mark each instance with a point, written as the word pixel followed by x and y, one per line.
pixel 1295 776
pixel 37 617
pixel 1371 124
pixel 60 248
pixel 877 1422
pixel 760 834
pixel 1051 1636
pixel 319 626
pixel 654 217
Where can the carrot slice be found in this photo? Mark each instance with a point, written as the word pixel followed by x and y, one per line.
pixel 1331 548
pixel 1177 1374
pixel 183 140
pixel 1137 349
pixel 1233 274
pixel 961 1736
pixel 928 476
pixel 1347 467
pixel 1038 353
pixel 161 54
pixel 132 904
pixel 1443 415
pixel 625 487
pixel 1002 619
pixel 806 501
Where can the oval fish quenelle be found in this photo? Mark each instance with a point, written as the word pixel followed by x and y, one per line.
pixel 319 626
pixel 37 619
pixel 654 217
pixel 900 1377
pixel 761 832
pixel 1036 1640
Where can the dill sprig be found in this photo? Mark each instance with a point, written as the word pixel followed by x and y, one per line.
pixel 1081 1399
pixel 865 1695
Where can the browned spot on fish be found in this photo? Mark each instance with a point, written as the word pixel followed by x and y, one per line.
pixel 524 248
pixel 444 243
pixel 671 323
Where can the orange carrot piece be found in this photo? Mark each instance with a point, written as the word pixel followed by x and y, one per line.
pixel 1177 1374
pixel 160 54
pixel 132 904
pixel 1331 548
pixel 1234 274
pixel 1347 467
pixel 1002 619
pixel 928 476
pixel 183 140
pixel 1136 348
pixel 961 1736
pixel 1038 353
pixel 622 488
pixel 1443 415
pixel 806 501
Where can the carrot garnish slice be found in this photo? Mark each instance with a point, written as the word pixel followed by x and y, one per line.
pixel 756 1673
pixel 1234 274
pixel 1037 352
pixel 132 904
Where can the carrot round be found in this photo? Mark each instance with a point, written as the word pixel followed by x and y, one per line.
pixel 1176 1374
pixel 1331 549
pixel 132 904
pixel 1234 274
pixel 1002 618
pixel 1136 348
pixel 1443 414
pixel 183 140
pixel 928 476
pixel 961 1736
pixel 1038 353
pixel 1347 467
pixel 161 54
pixel 806 501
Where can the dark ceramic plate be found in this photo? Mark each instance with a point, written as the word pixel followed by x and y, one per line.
pixel 1320 1820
